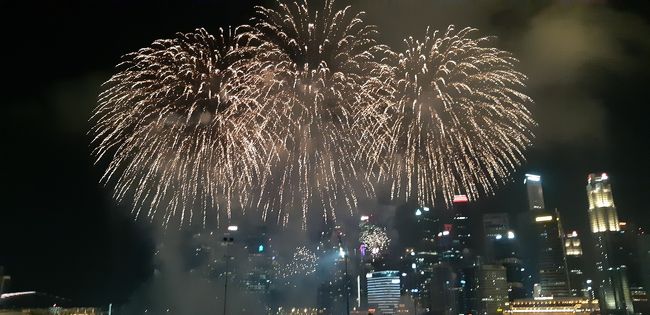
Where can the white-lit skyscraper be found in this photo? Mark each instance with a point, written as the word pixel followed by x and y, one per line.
pixel 535 192
pixel 614 289
pixel 602 211
pixel 384 290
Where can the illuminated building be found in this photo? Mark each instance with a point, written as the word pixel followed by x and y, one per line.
pixel 493 288
pixel 602 211
pixel 444 291
pixel 535 192
pixel 543 253
pixel 551 260
pixel 613 285
pixel 495 224
pixel 574 260
pixel 384 290
pixel 554 306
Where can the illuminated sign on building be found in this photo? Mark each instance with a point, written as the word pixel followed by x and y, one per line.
pixel 544 218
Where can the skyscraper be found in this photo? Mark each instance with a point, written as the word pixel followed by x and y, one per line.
pixel 384 290
pixel 573 249
pixel 492 288
pixel 602 211
pixel 614 289
pixel 535 193
pixel 551 261
pixel 541 230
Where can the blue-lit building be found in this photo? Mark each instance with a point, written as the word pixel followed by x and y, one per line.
pixel 384 290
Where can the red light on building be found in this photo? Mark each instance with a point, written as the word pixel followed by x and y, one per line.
pixel 460 199
pixel 448 227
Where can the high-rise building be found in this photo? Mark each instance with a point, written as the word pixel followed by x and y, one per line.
pixel 461 242
pixel 495 224
pixel 551 260
pixel 602 211
pixel 492 289
pixel 613 285
pixel 544 251
pixel 574 261
pixel 535 192
pixel 384 291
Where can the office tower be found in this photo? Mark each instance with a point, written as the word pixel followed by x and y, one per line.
pixel 575 264
pixel 495 224
pixel 461 236
pixel 551 261
pixel 602 211
pixel 613 285
pixel 492 289
pixel 507 254
pixel 384 290
pixel 444 291
pixel 535 193
pixel 541 231
pixel 643 252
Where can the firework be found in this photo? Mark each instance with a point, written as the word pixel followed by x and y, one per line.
pixel 182 127
pixel 458 122
pixel 303 263
pixel 325 74
pixel 375 239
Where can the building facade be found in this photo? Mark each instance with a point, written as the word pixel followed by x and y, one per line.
pixel 612 280
pixel 384 291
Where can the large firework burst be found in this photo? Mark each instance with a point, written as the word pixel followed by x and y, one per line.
pixel 375 239
pixel 181 124
pixel 303 263
pixel 458 122
pixel 325 74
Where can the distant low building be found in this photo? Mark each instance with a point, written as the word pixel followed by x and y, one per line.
pixel 552 306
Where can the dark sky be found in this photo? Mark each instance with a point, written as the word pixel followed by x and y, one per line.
pixel 60 232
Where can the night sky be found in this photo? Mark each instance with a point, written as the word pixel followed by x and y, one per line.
pixel 60 232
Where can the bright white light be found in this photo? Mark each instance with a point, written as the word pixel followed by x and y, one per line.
pixel 364 218
pixel 425 209
pixel 412 253
pixel 233 228
pixel 413 265
pixel 511 234
pixel 394 281
pixel 418 212
pixel 588 280
pixel 369 275
pixel 603 176
pixel 403 274
pixel 341 252
pixel 445 232
pixel 499 236
pixel 544 218
pixel 533 178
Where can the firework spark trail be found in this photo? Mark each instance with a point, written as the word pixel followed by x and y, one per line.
pixel 182 125
pixel 303 263
pixel 375 238
pixel 300 110
pixel 325 73
pixel 458 122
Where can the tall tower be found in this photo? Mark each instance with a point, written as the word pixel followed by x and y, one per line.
pixel 614 289
pixel 602 211
pixel 573 249
pixel 541 230
pixel 535 193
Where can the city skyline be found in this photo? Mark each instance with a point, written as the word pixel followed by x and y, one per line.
pixel 56 215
